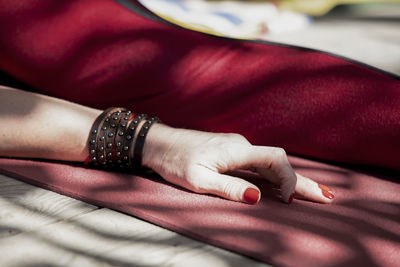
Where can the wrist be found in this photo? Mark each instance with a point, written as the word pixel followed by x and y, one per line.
pixel 158 141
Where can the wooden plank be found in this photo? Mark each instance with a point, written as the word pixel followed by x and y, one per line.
pixel 108 238
pixel 24 207
pixel 39 227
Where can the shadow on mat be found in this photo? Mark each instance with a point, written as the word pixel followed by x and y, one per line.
pixel 272 229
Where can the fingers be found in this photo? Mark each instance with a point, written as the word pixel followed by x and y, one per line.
pixel 271 163
pixel 204 180
pixel 311 190
pixel 277 169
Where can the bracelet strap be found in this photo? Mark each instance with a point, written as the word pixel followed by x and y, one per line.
pixel 92 142
pixel 118 153
pixel 110 135
pixel 101 141
pixel 138 151
pixel 130 135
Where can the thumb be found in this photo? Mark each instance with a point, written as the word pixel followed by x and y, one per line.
pixel 229 187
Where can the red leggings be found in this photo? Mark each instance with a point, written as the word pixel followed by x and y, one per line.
pixel 99 53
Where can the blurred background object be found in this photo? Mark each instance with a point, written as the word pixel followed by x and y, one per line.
pixel 363 30
pixel 321 7
pixel 239 19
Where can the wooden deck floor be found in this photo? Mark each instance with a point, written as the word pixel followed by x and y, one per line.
pixel 42 228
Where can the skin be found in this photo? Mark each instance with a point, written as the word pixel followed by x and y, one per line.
pixel 39 126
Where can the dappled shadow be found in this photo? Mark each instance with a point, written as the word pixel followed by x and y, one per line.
pixel 109 235
pixel 270 231
pixel 309 234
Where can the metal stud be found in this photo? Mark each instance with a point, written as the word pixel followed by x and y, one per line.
pixel 113 125
pixel 94 131
pixel 109 145
pixel 115 118
pixel 118 154
pixel 94 158
pixel 119 143
pixel 120 133
pixel 92 141
pixel 107 120
pixel 123 125
pixel 119 161
pixel 110 134
pixel 126 148
pixel 126 118
pixel 102 138
pixel 101 157
pixel 109 154
pixel 104 128
pixel 125 157
pixel 128 137
pixel 92 151
pixel 102 148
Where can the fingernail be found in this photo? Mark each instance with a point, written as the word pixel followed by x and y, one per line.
pixel 251 195
pixel 291 198
pixel 324 187
pixel 328 194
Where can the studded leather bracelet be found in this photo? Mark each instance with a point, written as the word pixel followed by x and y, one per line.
pixel 112 137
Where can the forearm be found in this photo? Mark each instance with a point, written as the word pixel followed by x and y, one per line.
pixel 39 126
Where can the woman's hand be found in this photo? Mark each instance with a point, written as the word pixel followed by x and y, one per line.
pixel 195 160
pixel 198 161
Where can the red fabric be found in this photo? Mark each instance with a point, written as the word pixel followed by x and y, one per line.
pixel 361 228
pixel 100 54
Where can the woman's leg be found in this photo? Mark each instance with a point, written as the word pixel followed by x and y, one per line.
pixel 99 53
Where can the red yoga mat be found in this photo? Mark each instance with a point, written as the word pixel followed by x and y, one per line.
pixel 361 228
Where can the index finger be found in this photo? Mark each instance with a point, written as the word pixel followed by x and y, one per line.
pixel 267 161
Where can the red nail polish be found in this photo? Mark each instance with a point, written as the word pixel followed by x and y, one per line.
pixel 328 194
pixel 251 195
pixel 87 160
pixel 132 116
pixel 324 187
pixel 291 198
